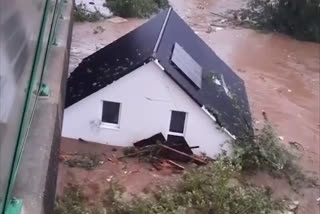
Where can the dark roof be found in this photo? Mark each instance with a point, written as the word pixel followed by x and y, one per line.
pixel 155 40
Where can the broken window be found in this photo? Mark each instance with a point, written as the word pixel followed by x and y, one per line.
pixel 177 122
pixel 110 112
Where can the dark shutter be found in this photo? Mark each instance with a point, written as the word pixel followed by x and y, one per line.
pixel 177 121
pixel 110 112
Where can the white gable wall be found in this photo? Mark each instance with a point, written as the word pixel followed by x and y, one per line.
pixel 147 96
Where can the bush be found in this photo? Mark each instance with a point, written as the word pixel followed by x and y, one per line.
pixel 204 190
pixel 136 8
pixel 298 18
pixel 162 3
pixel 264 151
pixel 84 161
pixel 81 14
pixel 72 202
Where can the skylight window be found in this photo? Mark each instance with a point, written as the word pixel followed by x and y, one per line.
pixel 187 65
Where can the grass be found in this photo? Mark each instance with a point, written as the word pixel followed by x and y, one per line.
pixel 136 8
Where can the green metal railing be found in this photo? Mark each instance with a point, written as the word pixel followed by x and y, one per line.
pixel 33 87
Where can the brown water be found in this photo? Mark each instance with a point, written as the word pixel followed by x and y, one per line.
pixel 281 74
pixel 282 78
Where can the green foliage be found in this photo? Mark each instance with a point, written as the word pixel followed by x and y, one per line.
pixel 130 151
pixel 136 8
pixel 84 161
pixel 98 210
pixel 162 3
pixel 204 190
pixel 72 202
pixel 113 194
pixel 264 151
pixel 298 18
pixel 81 14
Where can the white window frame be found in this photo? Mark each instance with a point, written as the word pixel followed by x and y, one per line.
pixel 184 126
pixel 106 125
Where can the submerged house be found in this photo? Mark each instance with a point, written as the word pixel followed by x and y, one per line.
pixel 158 78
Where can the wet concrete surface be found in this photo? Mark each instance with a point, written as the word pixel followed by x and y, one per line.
pixel 281 74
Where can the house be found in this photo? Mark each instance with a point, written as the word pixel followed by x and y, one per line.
pixel 159 78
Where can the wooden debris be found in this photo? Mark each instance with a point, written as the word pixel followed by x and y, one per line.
pixel 133 154
pixel 178 166
pixel 194 147
pixel 156 165
pixel 150 141
pixel 160 164
pixel 195 159
pixel 82 140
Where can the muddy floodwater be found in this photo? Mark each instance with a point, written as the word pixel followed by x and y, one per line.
pixel 281 73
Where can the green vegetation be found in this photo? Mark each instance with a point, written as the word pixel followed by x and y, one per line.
pixel 72 202
pixel 264 151
pixel 204 190
pixel 298 18
pixel 81 14
pixel 136 8
pixel 216 188
pixel 84 161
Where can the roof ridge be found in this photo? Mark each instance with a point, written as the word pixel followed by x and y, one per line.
pixel 155 49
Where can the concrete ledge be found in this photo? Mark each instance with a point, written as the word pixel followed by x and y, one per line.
pixel 36 180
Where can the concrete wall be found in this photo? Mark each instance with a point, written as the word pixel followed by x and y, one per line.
pixel 147 97
pixel 37 175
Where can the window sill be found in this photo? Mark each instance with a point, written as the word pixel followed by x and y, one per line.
pixel 176 134
pixel 109 126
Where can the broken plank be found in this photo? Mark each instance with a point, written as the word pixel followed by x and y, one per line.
pixel 178 166
pixel 194 147
pixel 196 160
pixel 157 166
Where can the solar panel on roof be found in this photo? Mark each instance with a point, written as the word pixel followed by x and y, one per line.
pixel 187 65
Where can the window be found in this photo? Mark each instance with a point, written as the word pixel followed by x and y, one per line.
pixel 177 122
pixel 187 65
pixel 110 113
